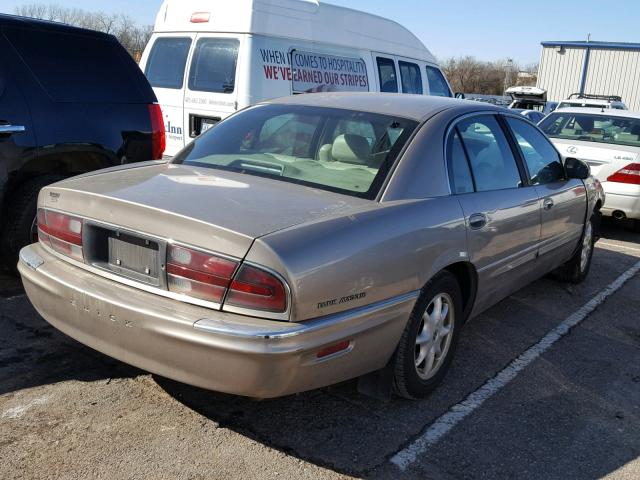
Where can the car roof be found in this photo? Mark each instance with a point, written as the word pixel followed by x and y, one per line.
pixel 609 112
pixel 415 107
pixel 591 101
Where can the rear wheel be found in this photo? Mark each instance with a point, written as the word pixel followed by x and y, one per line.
pixel 20 227
pixel 577 269
pixel 428 342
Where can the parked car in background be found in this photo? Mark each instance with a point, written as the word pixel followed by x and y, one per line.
pixel 264 262
pixel 533 115
pixel 586 100
pixel 205 60
pixel 609 141
pixel 71 101
pixel 530 98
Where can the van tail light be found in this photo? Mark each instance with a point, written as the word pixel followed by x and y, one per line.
pixel 200 17
pixel 61 232
pixel 628 174
pixel 198 274
pixel 257 289
pixel 158 137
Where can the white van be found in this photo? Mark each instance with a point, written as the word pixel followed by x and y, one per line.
pixel 208 58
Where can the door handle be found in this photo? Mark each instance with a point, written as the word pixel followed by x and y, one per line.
pixel 547 204
pixel 477 221
pixel 9 129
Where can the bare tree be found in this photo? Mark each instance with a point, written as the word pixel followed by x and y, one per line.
pixel 132 36
pixel 469 75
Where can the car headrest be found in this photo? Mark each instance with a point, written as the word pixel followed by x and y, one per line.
pixel 349 148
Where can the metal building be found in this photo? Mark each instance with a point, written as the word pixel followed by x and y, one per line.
pixel 603 68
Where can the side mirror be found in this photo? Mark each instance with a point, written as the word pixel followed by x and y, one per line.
pixel 576 169
pixel 459 95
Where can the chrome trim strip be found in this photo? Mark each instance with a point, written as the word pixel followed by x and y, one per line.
pixel 10 129
pixel 29 258
pixel 220 327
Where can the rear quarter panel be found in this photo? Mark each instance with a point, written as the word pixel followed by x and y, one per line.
pixel 345 262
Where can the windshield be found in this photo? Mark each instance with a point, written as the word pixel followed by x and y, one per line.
pixel 339 150
pixel 593 128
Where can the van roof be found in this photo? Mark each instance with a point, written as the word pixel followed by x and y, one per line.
pixel 308 20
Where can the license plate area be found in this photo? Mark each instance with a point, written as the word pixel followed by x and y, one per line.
pixel 126 254
pixel 199 124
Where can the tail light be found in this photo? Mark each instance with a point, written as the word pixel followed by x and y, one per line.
pixel 61 232
pixel 198 274
pixel 158 138
pixel 628 174
pixel 257 289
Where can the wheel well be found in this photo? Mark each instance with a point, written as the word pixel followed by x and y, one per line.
pixel 467 278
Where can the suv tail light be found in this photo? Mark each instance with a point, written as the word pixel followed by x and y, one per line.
pixel 628 174
pixel 257 289
pixel 198 274
pixel 61 232
pixel 158 138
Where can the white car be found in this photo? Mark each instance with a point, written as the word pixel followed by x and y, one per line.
pixel 586 100
pixel 609 141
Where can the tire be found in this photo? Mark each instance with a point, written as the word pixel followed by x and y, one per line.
pixel 19 218
pixel 577 269
pixel 417 381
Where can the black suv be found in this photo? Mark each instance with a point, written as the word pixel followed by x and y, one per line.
pixel 71 101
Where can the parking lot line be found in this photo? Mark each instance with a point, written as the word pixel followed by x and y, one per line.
pixel 615 245
pixel 442 425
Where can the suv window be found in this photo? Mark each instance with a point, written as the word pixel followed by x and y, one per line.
pixel 542 160
pixel 387 74
pixel 213 68
pixel 492 162
pixel 437 84
pixel 165 66
pixel 411 78
pixel 76 67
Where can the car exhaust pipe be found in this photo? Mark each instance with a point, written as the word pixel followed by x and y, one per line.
pixel 619 215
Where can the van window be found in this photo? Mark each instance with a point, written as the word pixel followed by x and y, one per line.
pixel 213 68
pixel 165 66
pixel 437 84
pixel 387 73
pixel 76 67
pixel 411 78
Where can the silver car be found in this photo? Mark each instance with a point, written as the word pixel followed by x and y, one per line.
pixel 310 240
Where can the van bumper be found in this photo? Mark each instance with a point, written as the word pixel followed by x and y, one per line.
pixel 208 348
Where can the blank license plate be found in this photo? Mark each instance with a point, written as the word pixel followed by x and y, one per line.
pixel 133 255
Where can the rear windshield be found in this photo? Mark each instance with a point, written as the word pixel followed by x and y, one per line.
pixel 213 68
pixel 166 62
pixel 76 67
pixel 338 150
pixel 593 128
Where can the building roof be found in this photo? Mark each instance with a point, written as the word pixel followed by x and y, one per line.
pixel 414 107
pixel 602 45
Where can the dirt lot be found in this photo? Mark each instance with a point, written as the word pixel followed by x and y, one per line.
pixel 545 385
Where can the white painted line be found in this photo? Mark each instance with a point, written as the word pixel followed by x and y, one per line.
pixel 15 297
pixel 615 245
pixel 442 425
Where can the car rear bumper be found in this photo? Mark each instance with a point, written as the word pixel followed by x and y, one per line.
pixel 207 348
pixel 621 197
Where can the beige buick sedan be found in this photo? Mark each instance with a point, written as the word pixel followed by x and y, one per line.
pixel 310 240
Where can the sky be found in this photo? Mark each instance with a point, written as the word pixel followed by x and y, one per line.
pixel 487 30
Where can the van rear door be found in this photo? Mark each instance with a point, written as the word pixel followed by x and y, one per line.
pixel 211 89
pixel 164 63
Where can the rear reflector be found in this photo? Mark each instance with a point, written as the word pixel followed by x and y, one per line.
pixel 61 232
pixel 628 174
pixel 338 347
pixel 200 17
pixel 257 289
pixel 158 136
pixel 198 274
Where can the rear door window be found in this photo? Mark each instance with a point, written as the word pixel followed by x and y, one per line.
pixel 213 68
pixel 387 75
pixel 411 78
pixel 437 84
pixel 166 63
pixel 73 66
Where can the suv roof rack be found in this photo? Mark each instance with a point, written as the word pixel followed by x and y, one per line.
pixel 611 98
